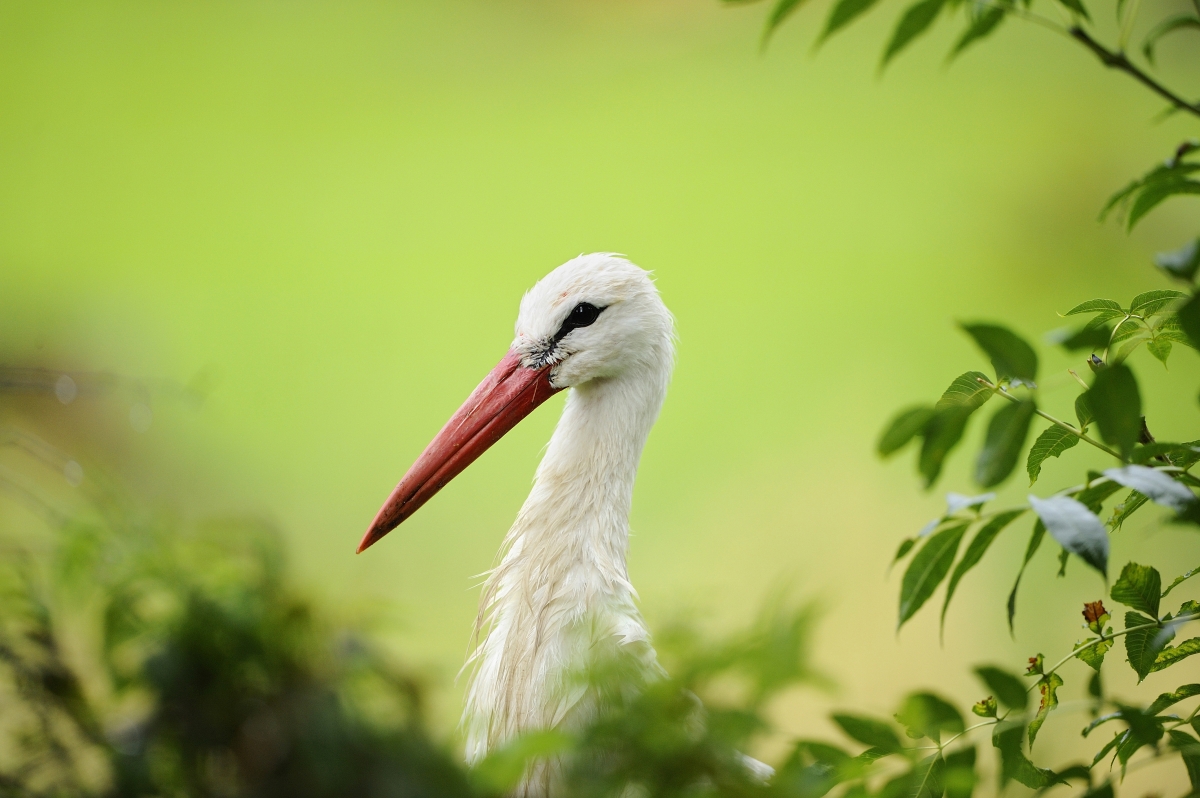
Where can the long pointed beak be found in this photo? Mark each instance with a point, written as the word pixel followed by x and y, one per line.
pixel 508 394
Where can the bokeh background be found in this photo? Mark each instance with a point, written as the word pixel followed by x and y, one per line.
pixel 306 228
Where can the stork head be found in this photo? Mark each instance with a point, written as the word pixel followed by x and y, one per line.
pixel 596 317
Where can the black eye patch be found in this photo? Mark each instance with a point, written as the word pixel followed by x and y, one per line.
pixel 582 315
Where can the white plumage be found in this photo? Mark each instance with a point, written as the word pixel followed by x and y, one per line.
pixel 561 590
pixel 562 586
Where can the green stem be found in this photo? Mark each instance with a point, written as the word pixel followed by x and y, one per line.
pixel 1113 636
pixel 1057 422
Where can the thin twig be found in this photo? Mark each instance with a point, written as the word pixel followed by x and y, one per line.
pixel 1057 422
pixel 1118 61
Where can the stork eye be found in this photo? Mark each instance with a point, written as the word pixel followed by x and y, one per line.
pixel 582 315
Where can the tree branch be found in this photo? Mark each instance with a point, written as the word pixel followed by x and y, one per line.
pixel 1118 61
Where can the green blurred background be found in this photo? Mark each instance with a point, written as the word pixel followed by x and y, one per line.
pixel 322 215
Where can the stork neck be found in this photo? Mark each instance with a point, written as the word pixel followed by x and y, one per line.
pixel 584 485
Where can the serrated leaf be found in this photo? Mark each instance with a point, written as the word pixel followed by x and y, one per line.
pixel 1154 484
pixel 1168 327
pixel 1076 528
pixel 868 731
pixel 1094 655
pixel 942 434
pixel 903 428
pixel 1035 541
pixel 1140 587
pixel 1011 356
pixel 842 14
pixel 1048 687
pixel 1181 263
pixel 1180 580
pixel 1117 407
pixel 1150 302
pixel 978 28
pixel 1126 330
pixel 1160 348
pixel 927 570
pixel 975 551
pixel 1006 435
pixel 1143 645
pixel 1053 441
pixel 1008 689
pixel 1091 336
pixel 1083 411
pixel 1172 654
pixel 780 12
pixel 1094 496
pixel 915 20
pixel 965 392
pixel 1154 193
pixel 1172 698
pixel 1093 305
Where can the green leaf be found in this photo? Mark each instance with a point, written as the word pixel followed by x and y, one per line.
pixel 842 14
pixel 1169 25
pixel 942 434
pixel 916 20
pixel 1139 587
pixel 979 27
pixel 1007 688
pixel 1188 317
pixel 1094 655
pixel 1094 305
pixel 1048 687
pixel 1083 411
pixel 1150 302
pixel 1011 356
pixel 927 570
pixel 905 547
pixel 1075 528
pixel 1094 496
pixel 904 427
pixel 1076 6
pixel 1154 484
pixel 1180 580
pixel 1104 790
pixel 975 551
pixel 1189 750
pixel 1117 405
pixel 1091 337
pixel 1053 441
pixel 1172 654
pixel 868 731
pixel 1014 765
pixel 965 392
pixel 1166 700
pixel 782 10
pixel 1181 263
pixel 1160 348
pixel 1006 436
pixel 1153 194
pixel 960 778
pixel 503 768
pixel 1035 541
pixel 1133 502
pixel 924 714
pixel 1143 645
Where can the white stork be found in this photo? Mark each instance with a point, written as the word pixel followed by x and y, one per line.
pixel 595 325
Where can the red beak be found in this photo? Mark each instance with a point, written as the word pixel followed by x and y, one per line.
pixel 505 396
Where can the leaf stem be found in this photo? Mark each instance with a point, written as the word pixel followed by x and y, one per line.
pixel 1118 61
pixel 1056 421
pixel 1114 635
